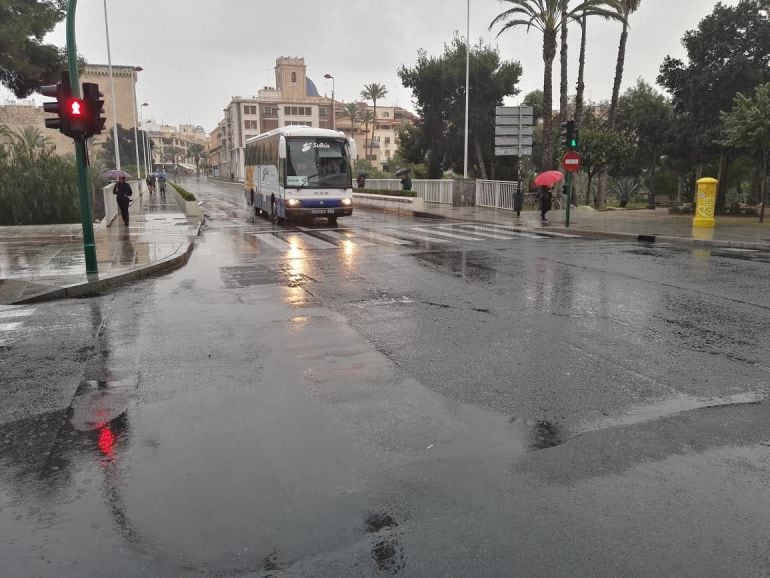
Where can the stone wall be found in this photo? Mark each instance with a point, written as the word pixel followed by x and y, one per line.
pixel 17 117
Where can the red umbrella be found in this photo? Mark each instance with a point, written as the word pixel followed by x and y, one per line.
pixel 548 178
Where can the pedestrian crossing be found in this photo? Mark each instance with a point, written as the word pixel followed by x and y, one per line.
pixel 12 319
pixel 392 236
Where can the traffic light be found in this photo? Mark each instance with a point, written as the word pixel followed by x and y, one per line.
pixel 569 135
pixel 77 113
pixel 95 107
pixel 62 93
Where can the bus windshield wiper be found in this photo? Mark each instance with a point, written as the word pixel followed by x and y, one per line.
pixel 303 185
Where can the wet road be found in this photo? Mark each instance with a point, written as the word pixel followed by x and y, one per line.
pixel 393 397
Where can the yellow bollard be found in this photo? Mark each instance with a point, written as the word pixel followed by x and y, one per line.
pixel 706 202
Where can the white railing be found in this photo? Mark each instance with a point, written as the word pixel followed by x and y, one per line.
pixel 430 190
pixel 496 194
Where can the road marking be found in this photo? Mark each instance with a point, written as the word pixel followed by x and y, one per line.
pixel 386 239
pixel 273 241
pixel 427 238
pixel 481 232
pixel 12 313
pixel 309 240
pixel 348 235
pixel 444 233
pixel 503 229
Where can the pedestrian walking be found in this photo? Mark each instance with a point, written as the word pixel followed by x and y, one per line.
pixel 546 199
pixel 151 183
pixel 406 183
pixel 361 181
pixel 123 192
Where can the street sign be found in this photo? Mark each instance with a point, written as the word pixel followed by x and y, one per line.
pixel 572 162
pixel 511 141
pixel 524 151
pixel 513 120
pixel 514 111
pixel 513 130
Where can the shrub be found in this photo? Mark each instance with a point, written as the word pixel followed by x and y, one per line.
pixel 184 193
pixel 624 188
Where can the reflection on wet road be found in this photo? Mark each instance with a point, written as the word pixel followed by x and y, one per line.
pixel 393 396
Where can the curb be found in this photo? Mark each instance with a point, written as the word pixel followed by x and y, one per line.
pixel 90 288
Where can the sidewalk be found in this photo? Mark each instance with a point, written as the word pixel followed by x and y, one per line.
pixel 737 232
pixel 47 261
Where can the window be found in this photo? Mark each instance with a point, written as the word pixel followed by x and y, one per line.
pixel 323 112
pixel 387 140
pixel 371 157
pixel 387 154
pixel 270 111
pixel 251 125
pixel 297 111
pixel 294 77
pixel 385 115
pixel 248 109
pixel 298 123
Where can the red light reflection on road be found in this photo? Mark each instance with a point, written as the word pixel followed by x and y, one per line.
pixel 106 441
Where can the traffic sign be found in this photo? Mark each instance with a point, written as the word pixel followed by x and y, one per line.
pixel 512 141
pixel 572 162
pixel 514 111
pixel 514 120
pixel 523 151
pixel 513 130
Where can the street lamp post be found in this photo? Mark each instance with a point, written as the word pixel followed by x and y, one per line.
pixel 136 130
pixel 467 85
pixel 334 106
pixel 112 90
pixel 144 140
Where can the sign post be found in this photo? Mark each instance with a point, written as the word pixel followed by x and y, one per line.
pixel 513 138
pixel 571 163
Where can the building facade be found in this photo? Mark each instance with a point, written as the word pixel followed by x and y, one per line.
pixel 294 101
pixel 172 146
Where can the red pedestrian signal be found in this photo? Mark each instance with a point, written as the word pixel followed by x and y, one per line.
pixel 76 108
pixel 78 117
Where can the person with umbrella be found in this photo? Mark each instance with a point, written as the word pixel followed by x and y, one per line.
pixel 406 182
pixel 544 183
pixel 123 193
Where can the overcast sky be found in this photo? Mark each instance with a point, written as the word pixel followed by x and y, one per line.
pixel 196 54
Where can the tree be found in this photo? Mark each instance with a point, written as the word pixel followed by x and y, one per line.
pixel 625 9
pixel 374 92
pixel 747 127
pixel 29 139
pixel 646 115
pixel 25 62
pixel 352 111
pixel 728 53
pixel 171 154
pixel 126 147
pixel 196 150
pixel 367 117
pixel 438 84
pixel 601 147
pixel 547 17
pixel 536 100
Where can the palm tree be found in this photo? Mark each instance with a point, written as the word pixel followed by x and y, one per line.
pixel 196 150
pixel 563 87
pixel 29 139
pixel 171 154
pixel 374 92
pixel 352 111
pixel 546 16
pixel 366 117
pixel 624 10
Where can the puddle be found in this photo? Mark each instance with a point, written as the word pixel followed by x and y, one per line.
pixel 377 521
pixel 389 556
pixel 546 434
pixel 459 264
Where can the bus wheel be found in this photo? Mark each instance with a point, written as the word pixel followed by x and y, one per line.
pixel 333 221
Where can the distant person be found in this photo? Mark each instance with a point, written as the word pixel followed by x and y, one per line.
pixel 150 183
pixel 162 183
pixel 406 183
pixel 361 181
pixel 546 200
pixel 123 192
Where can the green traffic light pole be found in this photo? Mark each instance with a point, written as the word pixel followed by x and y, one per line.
pixel 89 245
pixel 569 195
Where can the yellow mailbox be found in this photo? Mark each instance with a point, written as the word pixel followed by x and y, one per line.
pixel 706 202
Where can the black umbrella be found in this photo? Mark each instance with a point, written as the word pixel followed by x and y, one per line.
pixel 402 172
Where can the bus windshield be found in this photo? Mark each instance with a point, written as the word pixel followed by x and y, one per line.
pixel 317 162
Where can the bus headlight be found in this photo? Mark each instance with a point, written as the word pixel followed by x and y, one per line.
pixel 293 202
pixel 347 202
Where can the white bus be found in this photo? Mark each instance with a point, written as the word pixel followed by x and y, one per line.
pixel 298 171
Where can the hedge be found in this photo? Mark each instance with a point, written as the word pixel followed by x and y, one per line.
pixel 184 193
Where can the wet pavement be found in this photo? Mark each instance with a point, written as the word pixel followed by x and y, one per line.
pixel 35 260
pixel 395 396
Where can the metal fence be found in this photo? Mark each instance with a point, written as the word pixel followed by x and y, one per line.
pixel 430 190
pixel 496 194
